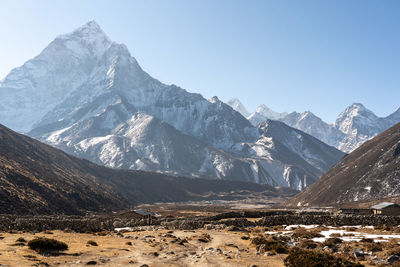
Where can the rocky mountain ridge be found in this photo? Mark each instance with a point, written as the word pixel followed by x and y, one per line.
pixel 93 100
pixel 354 126
pixel 36 178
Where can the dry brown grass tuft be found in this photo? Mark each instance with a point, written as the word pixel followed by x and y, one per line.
pixel 307 234
pixel 271 243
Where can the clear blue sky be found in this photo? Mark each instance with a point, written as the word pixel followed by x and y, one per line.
pixel 290 55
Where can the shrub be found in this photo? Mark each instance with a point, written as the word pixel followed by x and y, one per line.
pixel 43 243
pixel 374 247
pixel 275 243
pixel 308 244
pixel 304 233
pixel 332 242
pixel 47 232
pixel 300 258
pixel 366 240
pixel 92 243
pixel 205 238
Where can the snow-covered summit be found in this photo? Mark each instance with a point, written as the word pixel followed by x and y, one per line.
pixel 355 125
pixel 355 115
pixel 238 106
pixel 88 96
pixel 357 118
pixel 264 113
pixel 89 37
pixel 28 92
pixel 269 113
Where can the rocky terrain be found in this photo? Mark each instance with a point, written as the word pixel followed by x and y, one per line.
pixel 354 126
pixel 207 238
pixel 36 178
pixel 370 172
pixel 87 95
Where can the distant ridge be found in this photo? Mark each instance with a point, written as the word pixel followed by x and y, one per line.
pixel 36 178
pixel 354 126
pixel 88 96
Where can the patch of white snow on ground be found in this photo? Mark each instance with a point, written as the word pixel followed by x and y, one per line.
pixel 294 226
pixel 348 236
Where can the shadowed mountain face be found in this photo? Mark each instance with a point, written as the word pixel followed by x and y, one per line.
pixel 370 172
pixel 89 97
pixel 36 178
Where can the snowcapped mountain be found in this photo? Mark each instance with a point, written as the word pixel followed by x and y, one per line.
pixel 238 106
pixel 88 96
pixel 393 118
pixel 359 124
pixel 354 126
pixel 32 90
pixel 264 113
pixel 315 126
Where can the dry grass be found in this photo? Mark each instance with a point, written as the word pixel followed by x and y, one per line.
pixel 307 234
pixel 301 258
pixel 44 243
pixel 272 243
pixel 225 248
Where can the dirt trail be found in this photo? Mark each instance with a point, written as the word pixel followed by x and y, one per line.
pixel 154 248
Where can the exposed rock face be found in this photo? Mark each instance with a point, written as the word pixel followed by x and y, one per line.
pixel 38 179
pixel 313 125
pixel 354 126
pixel 238 106
pixel 359 125
pixel 89 97
pixel 264 113
pixel 370 172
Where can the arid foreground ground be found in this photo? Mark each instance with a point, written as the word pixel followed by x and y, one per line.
pixel 195 236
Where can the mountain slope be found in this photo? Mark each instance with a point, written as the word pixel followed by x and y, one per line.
pixel 313 125
pixel 238 106
pixel 359 125
pixel 36 178
pixel 114 113
pixel 294 157
pixel 370 172
pixel 264 113
pixel 144 142
pixel 354 126
pixel 49 94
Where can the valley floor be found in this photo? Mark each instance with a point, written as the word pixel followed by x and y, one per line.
pixel 196 234
pixel 154 248
pixel 219 246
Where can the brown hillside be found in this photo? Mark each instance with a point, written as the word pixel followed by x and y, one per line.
pixel 36 178
pixel 370 172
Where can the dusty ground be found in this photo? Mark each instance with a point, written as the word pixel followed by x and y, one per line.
pixel 221 240
pixel 201 247
pixel 154 248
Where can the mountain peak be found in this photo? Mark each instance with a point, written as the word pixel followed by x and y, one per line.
pixel 269 113
pixel 214 99
pixel 357 109
pixel 394 117
pixel 262 107
pixel 92 24
pixel 89 29
pixel 89 35
pixel 357 106
pixel 307 114
pixel 238 106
